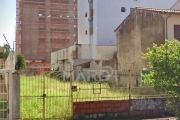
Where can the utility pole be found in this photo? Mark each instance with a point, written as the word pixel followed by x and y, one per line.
pixel 13 45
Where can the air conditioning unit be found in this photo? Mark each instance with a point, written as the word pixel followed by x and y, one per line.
pixel 90 1
pixel 90 18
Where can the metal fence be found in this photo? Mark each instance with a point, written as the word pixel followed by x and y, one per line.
pixel 3 97
pixel 5 94
pixel 50 94
pixel 43 97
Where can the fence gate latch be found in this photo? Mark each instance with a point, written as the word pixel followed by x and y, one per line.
pixel 74 88
pixel 44 95
pixel 97 90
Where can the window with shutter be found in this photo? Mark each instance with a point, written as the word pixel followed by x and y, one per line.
pixel 177 32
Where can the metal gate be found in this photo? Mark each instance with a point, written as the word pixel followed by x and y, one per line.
pixel 5 94
pixel 44 96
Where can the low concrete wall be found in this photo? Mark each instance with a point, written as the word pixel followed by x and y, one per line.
pixel 148 104
pixel 148 107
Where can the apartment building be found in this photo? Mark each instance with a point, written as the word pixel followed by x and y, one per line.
pixel 44 26
pixel 97 19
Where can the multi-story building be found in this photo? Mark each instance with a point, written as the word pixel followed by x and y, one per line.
pixel 44 26
pixel 97 19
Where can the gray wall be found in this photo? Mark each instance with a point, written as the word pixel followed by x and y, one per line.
pixel 148 104
pixel 137 33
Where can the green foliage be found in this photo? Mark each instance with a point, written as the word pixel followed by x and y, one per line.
pixel 55 74
pixel 173 105
pixel 164 64
pixel 20 62
pixel 3 105
pixel 6 51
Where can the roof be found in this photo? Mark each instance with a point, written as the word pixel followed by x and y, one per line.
pixel 170 11
pixel 160 10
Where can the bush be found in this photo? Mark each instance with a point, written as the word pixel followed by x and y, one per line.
pixel 164 64
pixel 20 62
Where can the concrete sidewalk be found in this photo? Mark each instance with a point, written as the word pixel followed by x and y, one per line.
pixel 167 118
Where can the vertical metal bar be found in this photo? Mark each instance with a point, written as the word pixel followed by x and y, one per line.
pixel 10 82
pixel 71 93
pixel 43 97
pixel 129 91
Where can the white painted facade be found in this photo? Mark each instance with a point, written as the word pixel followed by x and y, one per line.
pixel 171 21
pixel 107 16
pixel 64 59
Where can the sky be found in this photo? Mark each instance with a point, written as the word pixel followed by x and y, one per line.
pixel 7 21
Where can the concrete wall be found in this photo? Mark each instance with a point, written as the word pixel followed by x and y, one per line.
pixel 148 104
pixel 107 16
pixel 171 21
pixel 176 5
pixel 84 53
pixel 138 32
pixel 10 61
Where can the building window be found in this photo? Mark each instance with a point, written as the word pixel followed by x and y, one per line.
pixel 131 9
pixel 177 32
pixel 123 9
pixel 85 14
pixel 86 32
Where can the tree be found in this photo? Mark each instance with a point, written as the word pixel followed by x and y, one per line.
pixel 6 51
pixel 20 62
pixel 164 65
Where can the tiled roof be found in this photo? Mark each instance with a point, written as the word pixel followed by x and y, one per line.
pixel 170 11
pixel 160 10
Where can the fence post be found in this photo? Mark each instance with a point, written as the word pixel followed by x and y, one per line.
pixel 71 92
pixel 16 95
pixel 129 92
pixel 10 95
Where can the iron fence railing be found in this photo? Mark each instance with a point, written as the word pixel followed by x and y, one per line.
pixel 50 94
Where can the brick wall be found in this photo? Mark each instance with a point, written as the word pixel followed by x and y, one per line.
pixel 119 108
pixel 95 107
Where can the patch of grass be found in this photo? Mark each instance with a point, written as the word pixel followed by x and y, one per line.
pixel 57 101
pixel 56 104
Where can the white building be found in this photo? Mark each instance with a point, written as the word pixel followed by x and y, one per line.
pixel 97 19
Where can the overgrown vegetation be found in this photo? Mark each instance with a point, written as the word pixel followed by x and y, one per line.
pixel 58 100
pixel 164 64
pixel 20 62
pixel 6 51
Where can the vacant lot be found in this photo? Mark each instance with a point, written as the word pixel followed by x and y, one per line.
pixel 56 102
